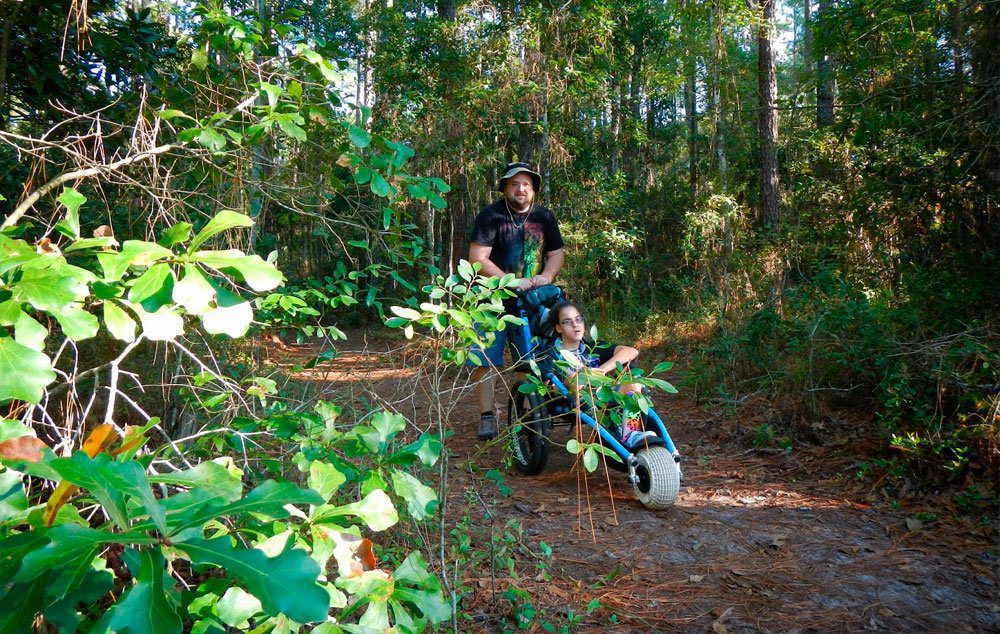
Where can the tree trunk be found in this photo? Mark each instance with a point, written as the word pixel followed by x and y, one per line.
pixel 825 82
pixel 691 112
pixel 715 98
pixel 768 118
pixel 986 77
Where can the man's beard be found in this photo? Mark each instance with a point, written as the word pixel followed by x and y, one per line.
pixel 519 207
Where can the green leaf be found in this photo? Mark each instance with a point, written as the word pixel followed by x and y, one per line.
pixel 285 584
pixel 662 366
pixel 49 288
pixel 421 500
pixel 163 325
pixel 405 313
pixel 359 137
pixel 118 322
pixel 590 459
pixel 13 500
pixel 291 128
pixel 258 274
pixel 380 186
pixel 193 291
pixel 168 114
pixel 72 200
pixel 199 57
pixel 427 449
pixel 273 93
pixel 176 234
pixel 91 243
pixel 150 283
pixel 387 424
pixel 77 324
pixel 24 372
pixel 375 510
pixel 149 605
pixel 229 320
pixel 295 90
pixel 222 221
pixel 429 599
pixel 663 385
pixel 270 498
pixel 573 446
pixel 219 477
pixel 29 332
pixel 237 606
pixel 325 479
pixel 110 482
pixel 212 140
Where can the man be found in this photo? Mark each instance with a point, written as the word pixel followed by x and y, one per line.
pixel 513 235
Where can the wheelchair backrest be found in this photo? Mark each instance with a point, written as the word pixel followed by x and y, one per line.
pixel 538 304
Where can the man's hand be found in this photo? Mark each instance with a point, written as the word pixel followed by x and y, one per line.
pixel 523 284
pixel 540 280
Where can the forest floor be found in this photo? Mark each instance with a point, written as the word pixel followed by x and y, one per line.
pixel 760 538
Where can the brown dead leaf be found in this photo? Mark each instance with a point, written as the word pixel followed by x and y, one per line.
pixel 719 628
pixel 541 509
pixel 344 160
pixel 738 573
pixel 913 524
pixel 104 231
pixel 26 448
pixel 696 578
pixel 99 439
pixel 45 246
pixel 717 625
pixel 886 612
pixel 611 521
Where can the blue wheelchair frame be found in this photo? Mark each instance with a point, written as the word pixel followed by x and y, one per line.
pixel 531 345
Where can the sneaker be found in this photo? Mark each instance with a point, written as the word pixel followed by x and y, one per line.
pixel 636 438
pixel 487 426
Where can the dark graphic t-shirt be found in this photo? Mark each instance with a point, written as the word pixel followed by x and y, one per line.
pixel 517 248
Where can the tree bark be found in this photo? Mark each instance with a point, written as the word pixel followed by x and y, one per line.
pixel 768 118
pixel 825 82
pixel 691 112
pixel 986 77
pixel 718 126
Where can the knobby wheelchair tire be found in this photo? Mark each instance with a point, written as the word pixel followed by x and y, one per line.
pixel 529 424
pixel 659 478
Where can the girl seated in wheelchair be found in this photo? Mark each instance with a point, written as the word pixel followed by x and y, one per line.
pixel 584 355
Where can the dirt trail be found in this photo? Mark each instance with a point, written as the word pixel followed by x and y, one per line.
pixel 757 541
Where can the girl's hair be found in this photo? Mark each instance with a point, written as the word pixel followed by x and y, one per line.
pixel 559 308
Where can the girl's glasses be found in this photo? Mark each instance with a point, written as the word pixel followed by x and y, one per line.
pixel 578 320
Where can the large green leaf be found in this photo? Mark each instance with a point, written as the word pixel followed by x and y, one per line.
pixel 229 320
pixel 219 477
pixel 416 585
pixel 375 510
pixel 72 200
pixel 421 500
pixel 236 606
pixel 194 292
pixel 70 552
pixel 77 324
pixel 24 372
pixel 285 584
pixel 325 478
pixel 163 325
pixel 28 332
pixel 258 274
pixel 225 219
pixel 270 497
pixel 147 608
pixel 118 322
pixel 150 283
pixel 48 288
pixel 13 500
pixel 64 614
pixel 110 482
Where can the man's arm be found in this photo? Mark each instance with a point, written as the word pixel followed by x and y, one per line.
pixel 481 253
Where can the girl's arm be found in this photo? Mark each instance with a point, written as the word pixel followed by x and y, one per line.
pixel 622 354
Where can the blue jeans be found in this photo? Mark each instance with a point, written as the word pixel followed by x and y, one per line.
pixel 512 335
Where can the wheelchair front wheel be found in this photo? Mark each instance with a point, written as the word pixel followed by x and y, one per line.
pixel 529 424
pixel 658 478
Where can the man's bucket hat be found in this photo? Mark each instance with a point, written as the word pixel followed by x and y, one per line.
pixel 517 168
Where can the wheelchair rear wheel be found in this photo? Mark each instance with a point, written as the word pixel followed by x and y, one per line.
pixel 529 424
pixel 659 478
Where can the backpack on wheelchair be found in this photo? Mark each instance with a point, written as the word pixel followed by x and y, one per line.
pixel 653 466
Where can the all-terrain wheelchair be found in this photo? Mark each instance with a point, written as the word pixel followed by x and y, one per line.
pixel 653 466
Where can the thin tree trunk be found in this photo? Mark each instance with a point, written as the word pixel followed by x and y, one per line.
pixel 691 112
pixel 718 126
pixel 986 77
pixel 768 118
pixel 825 82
